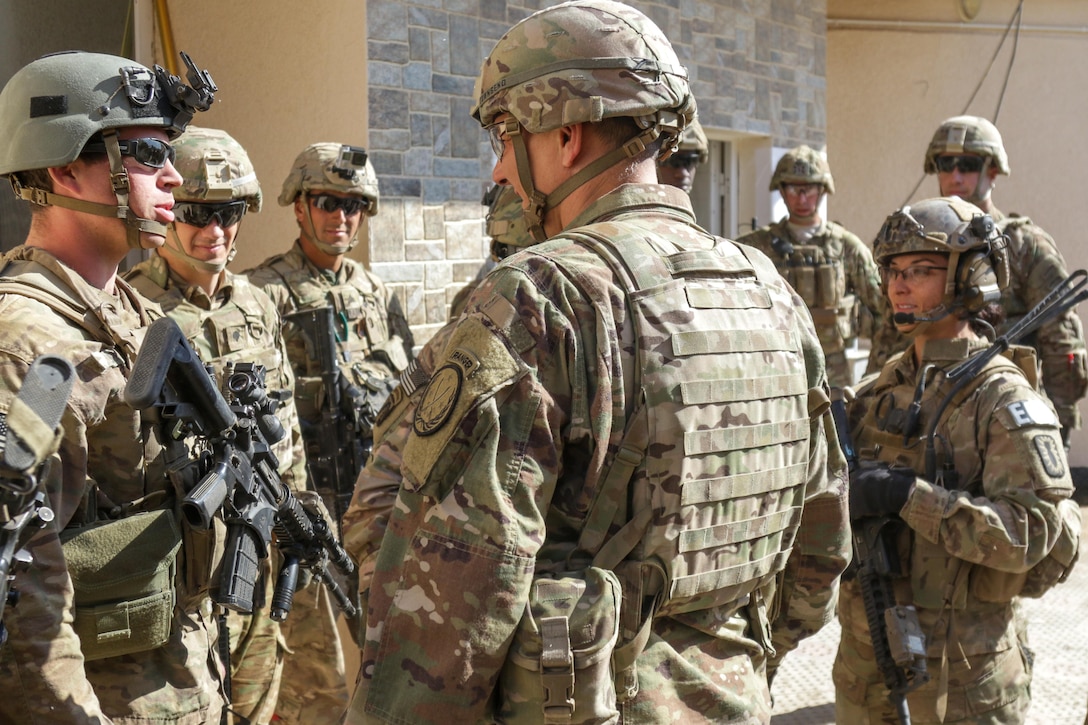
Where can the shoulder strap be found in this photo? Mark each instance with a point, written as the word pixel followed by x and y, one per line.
pixel 65 306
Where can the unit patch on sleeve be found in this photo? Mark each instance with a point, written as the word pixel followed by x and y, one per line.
pixel 443 391
pixel 1049 452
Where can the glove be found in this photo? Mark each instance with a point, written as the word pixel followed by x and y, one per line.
pixel 877 490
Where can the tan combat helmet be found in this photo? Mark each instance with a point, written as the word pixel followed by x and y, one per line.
pixel 967 135
pixel 215 169
pixel 582 61
pixel 802 165
pixel 978 264
pixel 331 167
pixel 66 104
pixel 694 141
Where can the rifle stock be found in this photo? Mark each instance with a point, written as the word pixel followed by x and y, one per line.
pixel 242 480
pixel 896 634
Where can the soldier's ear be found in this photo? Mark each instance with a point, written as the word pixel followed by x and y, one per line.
pixel 571 141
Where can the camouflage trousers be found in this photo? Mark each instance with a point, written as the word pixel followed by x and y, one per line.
pixel 685 670
pixel 256 659
pixel 314 688
pixel 991 689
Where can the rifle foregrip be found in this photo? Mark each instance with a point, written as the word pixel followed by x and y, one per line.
pixel 286 583
pixel 240 569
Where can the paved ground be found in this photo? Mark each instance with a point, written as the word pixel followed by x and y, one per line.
pixel 1057 630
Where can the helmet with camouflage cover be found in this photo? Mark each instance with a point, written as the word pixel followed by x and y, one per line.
pixel 505 222
pixel 978 265
pixel 802 165
pixel 967 135
pixel 582 62
pixel 214 168
pixel 694 140
pixel 332 167
pixel 53 106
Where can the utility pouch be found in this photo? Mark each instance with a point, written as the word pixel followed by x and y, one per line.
pixel 559 667
pixel 805 284
pixel 123 573
pixel 829 287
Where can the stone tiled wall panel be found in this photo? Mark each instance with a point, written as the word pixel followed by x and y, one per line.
pixel 756 66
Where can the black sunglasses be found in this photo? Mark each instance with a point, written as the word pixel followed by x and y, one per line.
pixel 680 160
pixel 350 205
pixel 148 151
pixel 966 164
pixel 200 214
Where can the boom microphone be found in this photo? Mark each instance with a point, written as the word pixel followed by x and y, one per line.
pixel 906 318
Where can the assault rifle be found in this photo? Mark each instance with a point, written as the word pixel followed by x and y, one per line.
pixel 339 444
pixel 898 641
pixel 241 476
pixel 25 433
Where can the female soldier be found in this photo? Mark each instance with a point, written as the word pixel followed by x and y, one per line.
pixel 973 474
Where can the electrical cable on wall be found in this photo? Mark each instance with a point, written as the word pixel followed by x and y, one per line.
pixel 1017 19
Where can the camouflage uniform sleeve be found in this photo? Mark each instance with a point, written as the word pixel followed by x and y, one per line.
pixel 480 466
pixel 863 279
pixel 365 521
pixel 294 476
pixel 376 487
pixel 272 285
pixel 1060 342
pixel 42 656
pixel 808 587
pixel 1014 520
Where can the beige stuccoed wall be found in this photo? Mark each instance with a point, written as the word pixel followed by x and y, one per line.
pixel 889 87
pixel 288 77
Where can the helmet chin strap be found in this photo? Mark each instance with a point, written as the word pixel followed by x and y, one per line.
pixel 540 203
pixel 330 249
pixel 134 225
pixel 974 197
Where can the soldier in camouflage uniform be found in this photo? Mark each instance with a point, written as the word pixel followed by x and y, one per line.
pixel 333 191
pixel 983 519
pixel 115 623
pixel 523 448
pixel 378 483
pixel 227 320
pixel 679 169
pixel 967 154
pixel 829 267
pixel 506 228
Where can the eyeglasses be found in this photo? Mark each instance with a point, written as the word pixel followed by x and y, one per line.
pixel 200 214
pixel 148 151
pixel 802 189
pixel 498 132
pixel 966 164
pixel 350 205
pixel 682 160
pixel 911 274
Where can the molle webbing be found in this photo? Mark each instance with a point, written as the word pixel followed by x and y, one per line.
pixel 717 495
